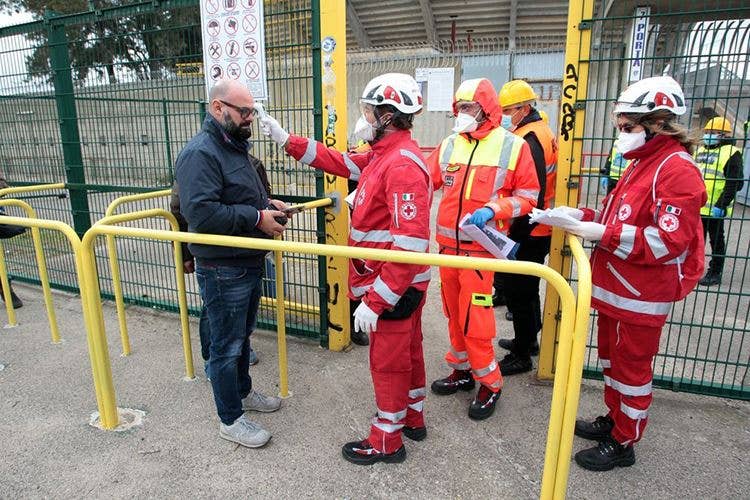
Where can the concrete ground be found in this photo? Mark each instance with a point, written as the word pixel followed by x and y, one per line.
pixel 695 447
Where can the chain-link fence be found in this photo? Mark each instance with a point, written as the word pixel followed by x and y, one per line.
pixel 705 346
pixel 104 100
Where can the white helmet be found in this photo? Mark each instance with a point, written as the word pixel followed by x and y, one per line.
pixel 651 94
pixel 397 89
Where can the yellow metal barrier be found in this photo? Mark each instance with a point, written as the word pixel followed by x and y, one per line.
pixel 97 345
pixel 568 371
pixel 40 261
pixel 179 274
pixel 114 263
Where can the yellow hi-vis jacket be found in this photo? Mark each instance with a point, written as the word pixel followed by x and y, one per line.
pixel 711 163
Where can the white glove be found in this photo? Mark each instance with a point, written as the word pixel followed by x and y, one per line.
pixel 365 319
pixel 575 213
pixel 592 231
pixel 271 128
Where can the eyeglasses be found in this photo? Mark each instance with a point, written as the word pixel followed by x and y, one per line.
pixel 626 127
pixel 243 111
pixel 468 107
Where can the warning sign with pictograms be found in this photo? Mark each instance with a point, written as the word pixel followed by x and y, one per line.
pixel 234 44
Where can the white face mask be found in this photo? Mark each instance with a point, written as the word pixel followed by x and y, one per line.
pixel 629 141
pixel 465 123
pixel 364 130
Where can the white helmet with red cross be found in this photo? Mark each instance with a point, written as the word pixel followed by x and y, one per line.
pixel 651 94
pixel 397 89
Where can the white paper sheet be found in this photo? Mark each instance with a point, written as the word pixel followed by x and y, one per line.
pixel 553 217
pixel 490 238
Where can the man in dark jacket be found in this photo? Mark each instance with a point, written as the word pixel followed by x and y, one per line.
pixel 221 193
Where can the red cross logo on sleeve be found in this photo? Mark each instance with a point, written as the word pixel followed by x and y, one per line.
pixel 408 211
pixel 669 223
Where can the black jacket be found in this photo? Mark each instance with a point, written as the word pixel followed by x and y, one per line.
pixel 221 192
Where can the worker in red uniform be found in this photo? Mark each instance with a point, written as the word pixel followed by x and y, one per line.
pixel 649 255
pixel 517 99
pixel 487 172
pixel 391 211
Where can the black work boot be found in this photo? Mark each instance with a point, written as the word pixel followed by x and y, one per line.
pixel 459 379
pixel 512 364
pixel 498 299
pixel 16 300
pixel 508 315
pixel 484 403
pixel 362 453
pixel 359 338
pixel 606 455
pixel 711 278
pixel 414 433
pixel 597 430
pixel 508 345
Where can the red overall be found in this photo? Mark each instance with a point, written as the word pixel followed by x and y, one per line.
pixel 391 211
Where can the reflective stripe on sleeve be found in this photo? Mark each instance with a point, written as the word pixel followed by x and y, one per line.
pixel 384 291
pixel 632 305
pixel 516 207
pixel 416 159
pixel 310 153
pixel 445 157
pixel 353 168
pixel 531 194
pixel 505 152
pixel 627 240
pixel 654 242
pixel 605 363
pixel 628 390
pixel 411 243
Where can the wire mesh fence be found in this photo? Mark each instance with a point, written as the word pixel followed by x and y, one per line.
pixel 104 100
pixel 705 346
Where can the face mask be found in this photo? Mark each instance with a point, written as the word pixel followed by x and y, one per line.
pixel 364 130
pixel 629 141
pixel 235 131
pixel 507 122
pixel 465 123
pixel 711 139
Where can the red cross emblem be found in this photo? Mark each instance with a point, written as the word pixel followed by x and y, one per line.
pixel 624 212
pixel 669 223
pixel 408 211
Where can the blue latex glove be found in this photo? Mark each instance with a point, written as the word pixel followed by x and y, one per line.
pixel 481 216
pixel 603 183
pixel 718 212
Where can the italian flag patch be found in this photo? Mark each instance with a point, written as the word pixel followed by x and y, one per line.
pixel 673 210
pixel 407 197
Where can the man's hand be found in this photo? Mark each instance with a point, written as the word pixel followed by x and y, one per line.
pixel 592 231
pixel 268 223
pixel 271 128
pixel 365 319
pixel 480 217
pixel 188 266
pixel 280 205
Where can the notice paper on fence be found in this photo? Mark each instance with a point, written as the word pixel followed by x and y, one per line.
pixel 490 238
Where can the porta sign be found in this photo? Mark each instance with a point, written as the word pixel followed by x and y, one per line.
pixel 638 39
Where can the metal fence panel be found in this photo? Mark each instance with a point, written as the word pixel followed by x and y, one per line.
pixel 705 346
pixel 106 99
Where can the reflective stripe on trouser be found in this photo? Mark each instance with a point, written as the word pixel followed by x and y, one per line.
pixel 627 352
pixel 397 369
pixel 471 326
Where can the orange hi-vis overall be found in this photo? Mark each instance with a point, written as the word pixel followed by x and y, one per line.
pixel 492 168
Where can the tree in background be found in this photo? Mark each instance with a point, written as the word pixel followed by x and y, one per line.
pixel 143 46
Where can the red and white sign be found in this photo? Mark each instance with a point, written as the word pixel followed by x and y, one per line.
pixel 234 44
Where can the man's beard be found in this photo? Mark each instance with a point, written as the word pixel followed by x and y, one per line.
pixel 236 131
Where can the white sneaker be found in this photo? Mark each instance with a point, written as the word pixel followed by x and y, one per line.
pixel 245 432
pixel 256 401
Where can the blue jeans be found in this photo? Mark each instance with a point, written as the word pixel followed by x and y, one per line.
pixel 231 296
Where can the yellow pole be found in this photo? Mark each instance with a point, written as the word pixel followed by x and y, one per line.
pixel 180 274
pixel 6 289
pixel 114 263
pixel 578 353
pixel 41 263
pixel 281 324
pixel 334 99
pixel 114 267
pixel 575 82
pixel 30 189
